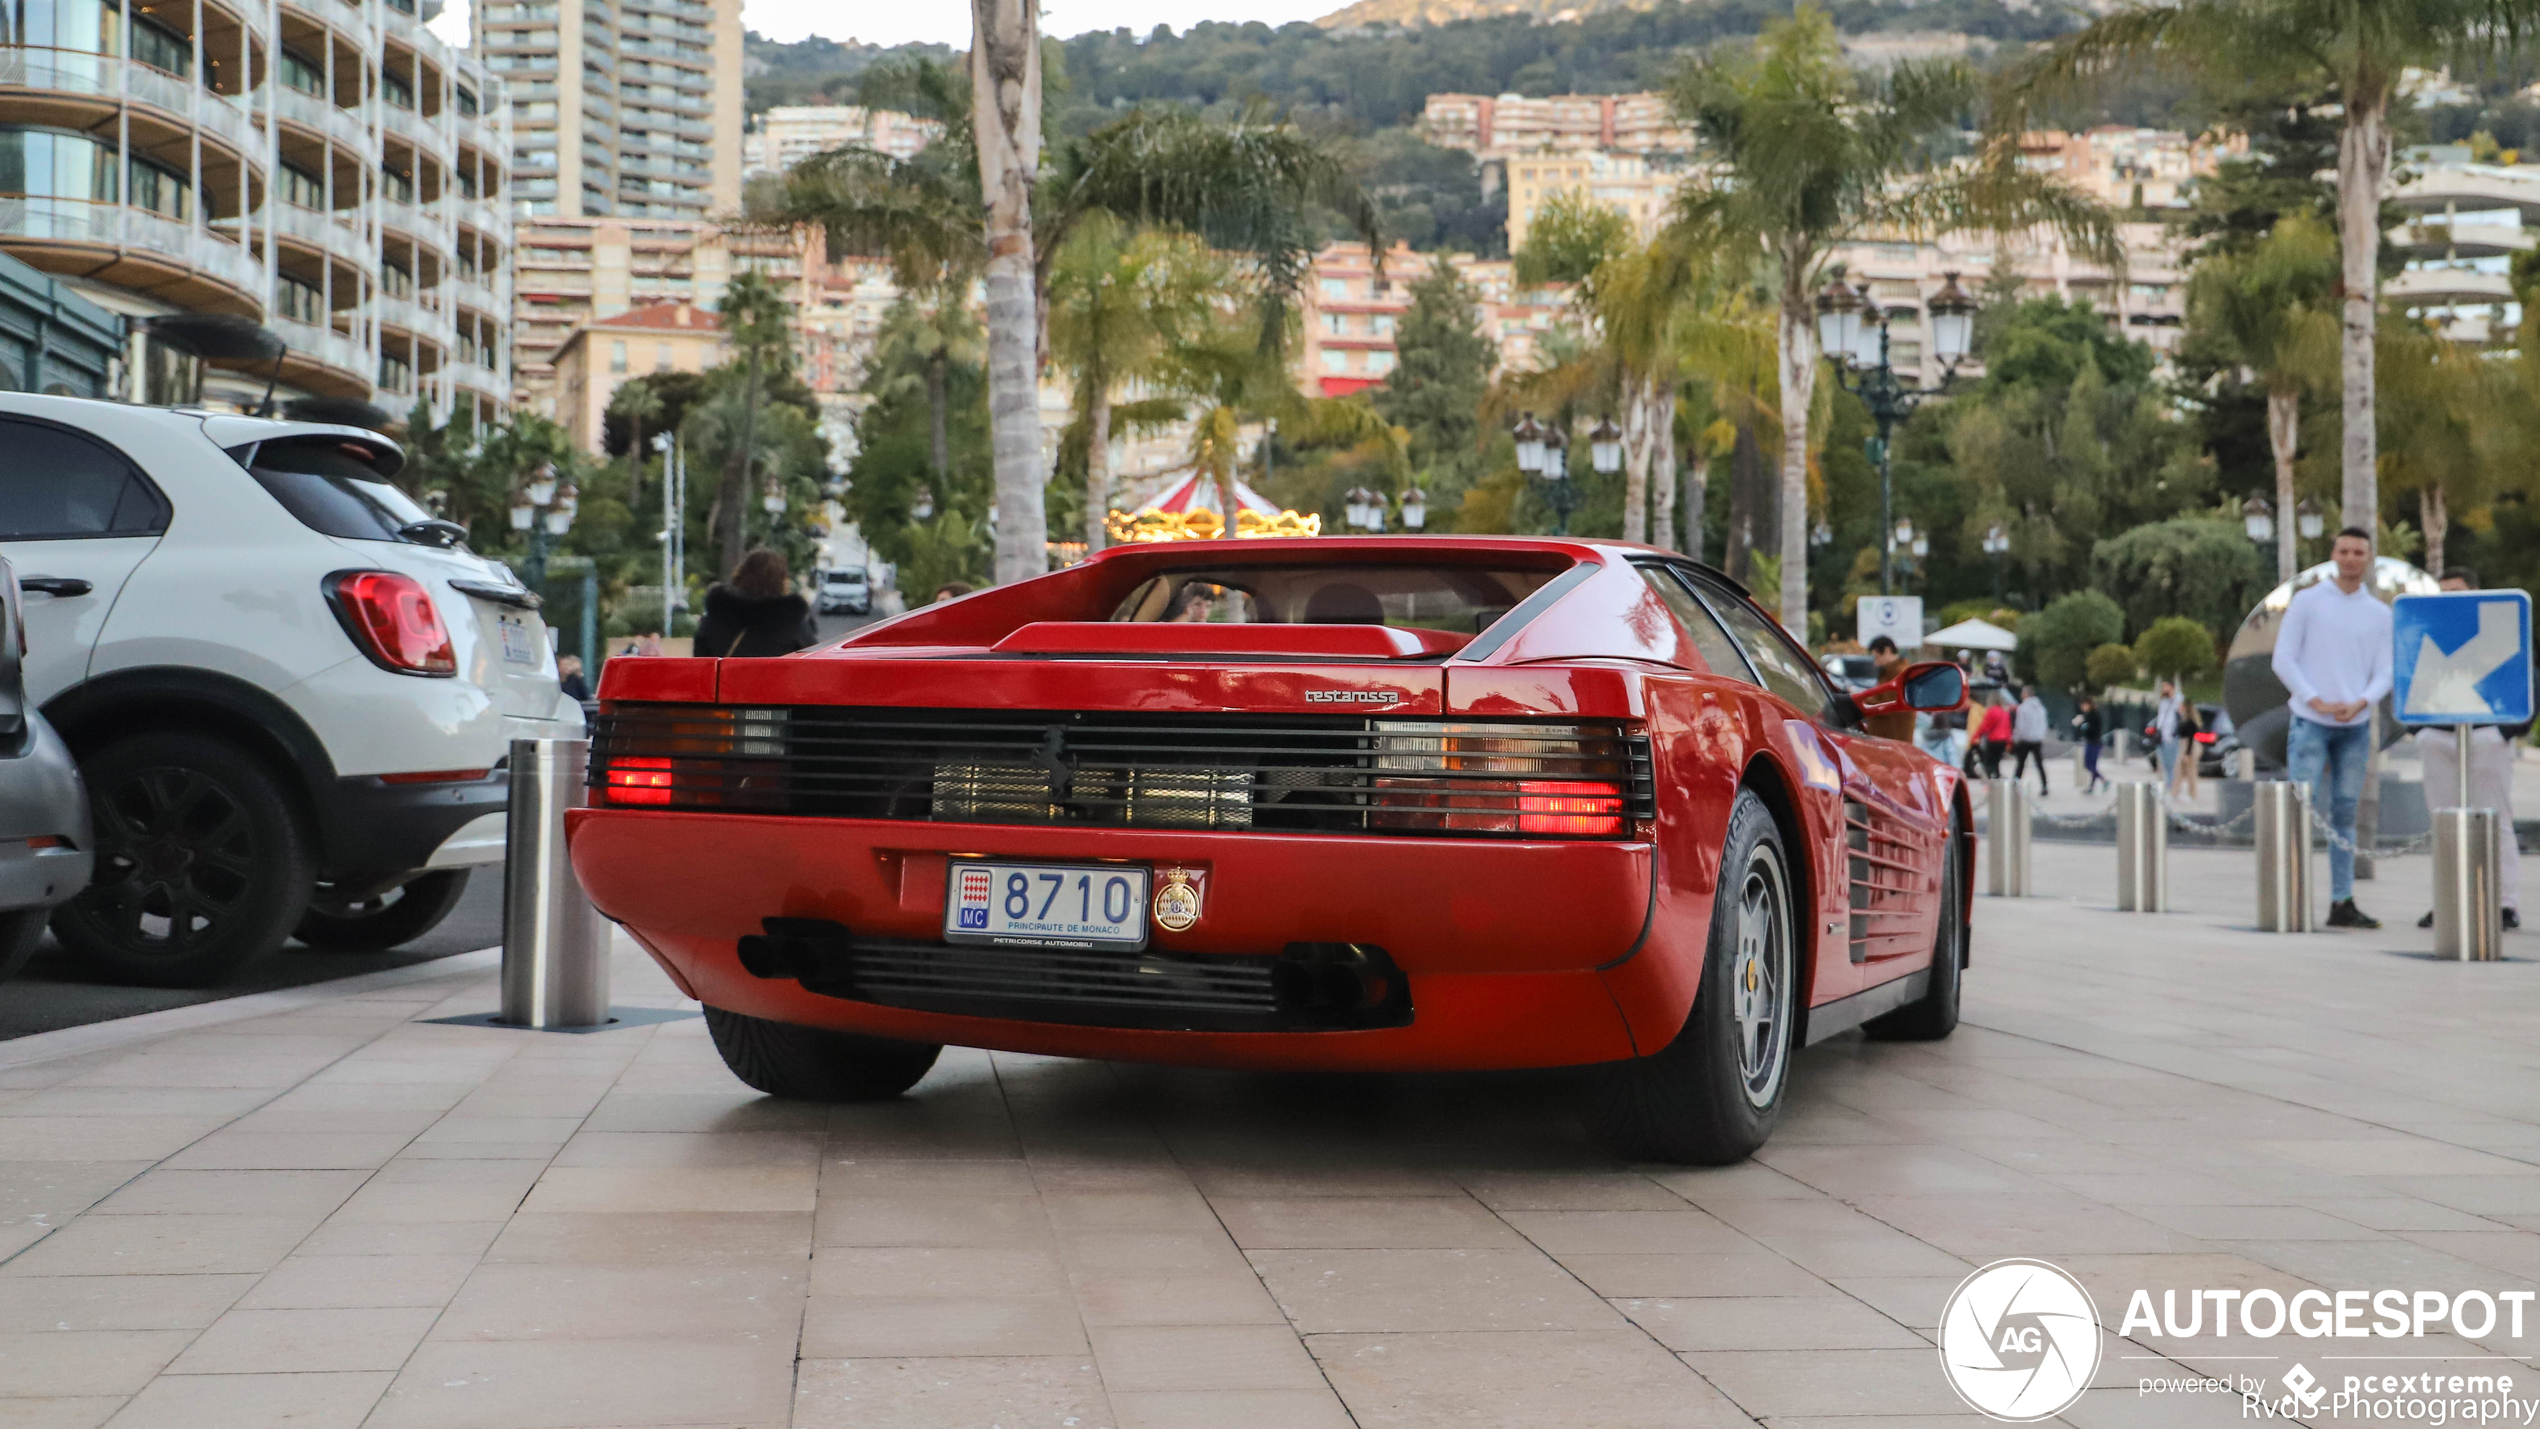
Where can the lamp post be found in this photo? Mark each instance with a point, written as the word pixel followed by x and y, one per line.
pixel 2257 517
pixel 773 503
pixel 1543 453
pixel 545 509
pixel 1415 510
pixel 2308 520
pixel 1997 544
pixel 1844 322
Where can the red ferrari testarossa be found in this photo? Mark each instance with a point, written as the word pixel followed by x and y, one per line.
pixel 1345 804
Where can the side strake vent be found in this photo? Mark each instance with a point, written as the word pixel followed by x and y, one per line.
pixel 1249 772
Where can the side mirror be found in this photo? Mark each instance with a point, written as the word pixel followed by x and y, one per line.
pixel 1932 687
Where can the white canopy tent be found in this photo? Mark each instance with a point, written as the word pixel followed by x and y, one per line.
pixel 1973 635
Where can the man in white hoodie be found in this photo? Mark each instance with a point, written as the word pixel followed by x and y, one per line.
pixel 2333 655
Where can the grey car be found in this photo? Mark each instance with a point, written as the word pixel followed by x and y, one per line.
pixel 45 838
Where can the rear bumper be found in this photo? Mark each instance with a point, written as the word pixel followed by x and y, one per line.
pixel 1499 942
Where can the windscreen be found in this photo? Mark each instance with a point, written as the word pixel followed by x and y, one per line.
pixel 332 488
pixel 1459 599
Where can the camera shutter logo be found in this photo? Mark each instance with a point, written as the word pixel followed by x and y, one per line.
pixel 2019 1340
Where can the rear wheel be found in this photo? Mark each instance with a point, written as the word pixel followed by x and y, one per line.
pixel 19 933
pixel 339 923
pixel 1713 1095
pixel 1935 1014
pixel 202 865
pixel 814 1064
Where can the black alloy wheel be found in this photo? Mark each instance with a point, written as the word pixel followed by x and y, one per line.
pixel 203 866
pixel 343 922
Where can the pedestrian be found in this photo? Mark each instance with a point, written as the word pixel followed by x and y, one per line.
pixel 756 612
pixel 569 678
pixel 1997 671
pixel 2333 655
pixel 1940 736
pixel 2164 733
pixel 2092 726
pixel 1887 663
pixel 2191 751
pixel 1993 733
pixel 2491 779
pixel 2028 737
pixel 950 590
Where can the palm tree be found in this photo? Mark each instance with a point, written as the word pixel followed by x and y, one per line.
pixel 1005 98
pixel 758 321
pixel 1116 301
pixel 2270 309
pixel 1228 379
pixel 1806 154
pixel 2354 52
pixel 636 403
pixel 2439 439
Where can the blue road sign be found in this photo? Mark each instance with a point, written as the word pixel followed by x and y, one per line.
pixel 2462 657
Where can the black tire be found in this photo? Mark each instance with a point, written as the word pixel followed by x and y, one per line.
pixel 385 920
pixel 813 1064
pixel 1713 1095
pixel 203 866
pixel 1934 1015
pixel 19 933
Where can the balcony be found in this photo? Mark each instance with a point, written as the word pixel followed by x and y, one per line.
pixel 349 362
pixel 146 251
pixel 338 233
pixel 484 215
pixel 106 79
pixel 2448 287
pixel 344 126
pixel 479 378
pixel 421 221
pixel 415 315
pixel 428 135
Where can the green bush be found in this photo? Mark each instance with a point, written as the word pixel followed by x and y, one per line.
pixel 2055 643
pixel 2175 647
pixel 2194 566
pixel 2111 664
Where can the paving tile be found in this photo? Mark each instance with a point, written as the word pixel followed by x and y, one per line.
pixel 292 1341
pixel 1200 1357
pixel 749 1300
pixel 1569 1191
pixel 976 1221
pixel 1129 1210
pixel 1740 1273
pixel 689 1148
pixel 236 1149
pixel 100 1138
pixel 174 1244
pixel 118 1302
pixel 1224 1297
pixel 253 1401
pixel 309 1193
pixel 64 1363
pixel 63 1412
pixel 468 1238
pixel 2270 1222
pixel 1771 1384
pixel 1815 1322
pixel 1615 1379
pixel 1344 1291
pixel 1895 1170
pixel 651 1237
pixel 935 1270
pixel 921 1327
pixel 865 1176
pixel 1680 1232
pixel 1010 1393
pixel 1409 1223
pixel 548 1384
pixel 1231 1409
pixel 355 1282
pixel 1151 1253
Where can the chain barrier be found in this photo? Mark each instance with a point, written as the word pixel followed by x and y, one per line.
pixel 2180 819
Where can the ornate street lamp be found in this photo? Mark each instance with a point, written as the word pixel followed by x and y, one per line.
pixel 1542 453
pixel 545 509
pixel 1845 321
pixel 1997 544
pixel 2308 519
pixel 2257 517
pixel 923 509
pixel 1529 445
pixel 1415 510
pixel 1605 447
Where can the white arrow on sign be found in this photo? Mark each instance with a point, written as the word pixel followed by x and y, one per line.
pixel 2448 684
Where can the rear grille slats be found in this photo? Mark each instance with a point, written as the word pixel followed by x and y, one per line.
pixel 886 970
pixel 1243 772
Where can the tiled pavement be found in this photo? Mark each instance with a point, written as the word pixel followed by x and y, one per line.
pixel 340 1215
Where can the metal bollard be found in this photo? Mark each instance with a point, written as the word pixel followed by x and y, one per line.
pixel 2283 810
pixel 555 944
pixel 2006 838
pixel 2143 850
pixel 2469 923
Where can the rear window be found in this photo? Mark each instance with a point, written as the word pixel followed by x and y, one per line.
pixel 1463 600
pixel 332 488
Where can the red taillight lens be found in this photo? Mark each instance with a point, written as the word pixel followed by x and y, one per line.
pixel 639 781
pixel 1550 806
pixel 2204 736
pixel 392 618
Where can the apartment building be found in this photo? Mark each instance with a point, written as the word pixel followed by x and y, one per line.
pixel 602 355
pixel 1497 129
pixel 626 108
pixel 788 134
pixel 335 174
pixel 2130 168
pixel 2466 223
pixel 1352 314
pixel 1622 182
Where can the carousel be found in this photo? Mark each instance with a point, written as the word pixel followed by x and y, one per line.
pixel 1188 508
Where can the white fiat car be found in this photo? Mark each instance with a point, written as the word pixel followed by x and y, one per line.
pixel 290 689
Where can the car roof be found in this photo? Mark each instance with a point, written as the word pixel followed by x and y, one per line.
pixel 225 429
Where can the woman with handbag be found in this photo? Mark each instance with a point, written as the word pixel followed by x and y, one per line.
pixel 756 612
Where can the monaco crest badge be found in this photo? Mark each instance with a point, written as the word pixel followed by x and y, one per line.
pixel 1177 902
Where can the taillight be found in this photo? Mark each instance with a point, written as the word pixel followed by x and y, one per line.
pixel 1455 778
pixel 639 781
pixel 392 618
pixel 1548 806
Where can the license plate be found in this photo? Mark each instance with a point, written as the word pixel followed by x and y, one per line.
pixel 519 646
pixel 1046 905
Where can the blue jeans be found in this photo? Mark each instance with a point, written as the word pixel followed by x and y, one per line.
pixel 2330 758
pixel 2090 761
